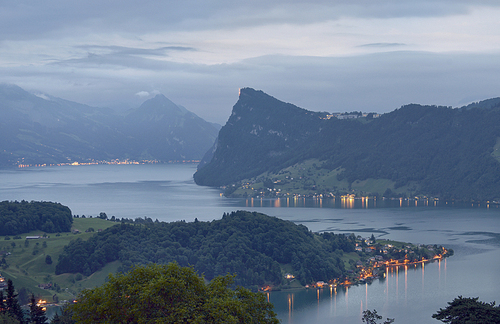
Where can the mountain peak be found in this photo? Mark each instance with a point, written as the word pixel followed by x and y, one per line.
pixel 160 105
pixel 12 92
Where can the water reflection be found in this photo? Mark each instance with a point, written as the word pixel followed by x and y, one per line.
pixel 351 202
pixel 350 302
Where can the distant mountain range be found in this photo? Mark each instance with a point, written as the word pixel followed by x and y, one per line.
pixel 272 148
pixel 41 129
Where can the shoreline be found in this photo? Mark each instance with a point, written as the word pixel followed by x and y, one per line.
pixel 372 259
pixel 111 162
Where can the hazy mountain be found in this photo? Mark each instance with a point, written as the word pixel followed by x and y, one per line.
pixel 429 150
pixel 37 129
pixel 172 133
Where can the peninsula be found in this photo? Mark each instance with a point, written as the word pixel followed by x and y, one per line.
pixel 265 253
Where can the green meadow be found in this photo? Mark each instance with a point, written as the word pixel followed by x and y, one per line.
pixel 27 266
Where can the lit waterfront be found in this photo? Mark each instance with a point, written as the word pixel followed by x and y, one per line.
pixel 399 287
pixel 351 202
pixel 97 162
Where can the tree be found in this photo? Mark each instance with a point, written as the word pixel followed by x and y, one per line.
pixel 12 306
pixel 370 317
pixel 48 259
pixel 170 294
pixel 37 314
pixel 468 310
pixel 5 318
pixel 23 296
pixel 66 316
pixel 3 308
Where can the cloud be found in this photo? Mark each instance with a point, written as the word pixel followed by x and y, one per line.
pixel 142 94
pixel 382 45
pixel 379 82
pixel 123 50
pixel 42 95
pixel 321 55
pixel 21 20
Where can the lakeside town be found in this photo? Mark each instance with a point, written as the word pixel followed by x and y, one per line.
pixel 112 162
pixel 375 259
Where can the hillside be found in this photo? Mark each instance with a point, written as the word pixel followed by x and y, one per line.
pixel 48 130
pixel 26 260
pixel 415 150
pixel 257 247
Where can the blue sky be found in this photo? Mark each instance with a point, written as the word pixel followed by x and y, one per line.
pixel 320 55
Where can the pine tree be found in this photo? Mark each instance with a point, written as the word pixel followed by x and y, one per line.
pixel 3 308
pixel 37 314
pixel 12 304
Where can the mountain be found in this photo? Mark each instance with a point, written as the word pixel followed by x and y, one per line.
pixel 262 132
pixel 174 133
pixel 47 130
pixel 272 148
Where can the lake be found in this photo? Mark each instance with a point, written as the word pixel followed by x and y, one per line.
pixel 167 192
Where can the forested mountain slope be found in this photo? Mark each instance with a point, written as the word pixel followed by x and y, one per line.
pixel 435 151
pixel 261 133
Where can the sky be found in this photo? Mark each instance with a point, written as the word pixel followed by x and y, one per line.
pixel 334 55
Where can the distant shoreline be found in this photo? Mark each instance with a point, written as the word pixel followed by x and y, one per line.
pixel 112 162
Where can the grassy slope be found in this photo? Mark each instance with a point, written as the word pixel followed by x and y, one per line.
pixel 308 178
pixel 29 270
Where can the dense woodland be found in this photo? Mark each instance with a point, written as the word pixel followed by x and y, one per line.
pixel 22 217
pixel 251 245
pixel 440 151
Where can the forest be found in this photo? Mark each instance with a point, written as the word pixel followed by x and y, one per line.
pixel 254 246
pixel 443 152
pixel 22 217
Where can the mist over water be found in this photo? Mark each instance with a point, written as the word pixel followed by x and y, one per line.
pixel 167 192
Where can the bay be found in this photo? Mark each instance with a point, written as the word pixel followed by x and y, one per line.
pixel 167 192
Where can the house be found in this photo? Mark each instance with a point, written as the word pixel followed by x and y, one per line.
pixel 45 286
pixel 35 237
pixel 320 284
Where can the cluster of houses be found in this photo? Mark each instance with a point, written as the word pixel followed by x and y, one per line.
pixel 372 267
pixel 350 116
pixel 3 283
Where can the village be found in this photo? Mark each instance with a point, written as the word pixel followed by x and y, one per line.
pixel 377 258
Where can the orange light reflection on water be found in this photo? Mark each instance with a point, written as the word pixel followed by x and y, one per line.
pixel 391 289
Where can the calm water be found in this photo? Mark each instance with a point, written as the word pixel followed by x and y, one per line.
pixel 168 193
